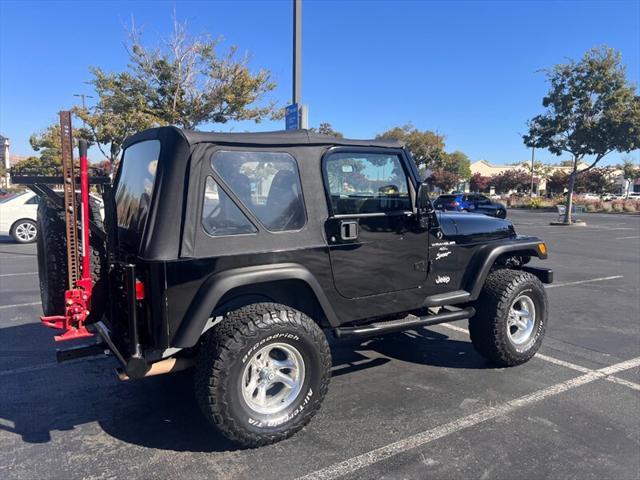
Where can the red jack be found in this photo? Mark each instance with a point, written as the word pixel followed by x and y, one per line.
pixel 78 296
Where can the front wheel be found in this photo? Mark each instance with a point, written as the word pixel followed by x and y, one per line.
pixel 262 373
pixel 511 317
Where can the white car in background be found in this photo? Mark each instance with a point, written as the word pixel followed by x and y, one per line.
pixel 18 216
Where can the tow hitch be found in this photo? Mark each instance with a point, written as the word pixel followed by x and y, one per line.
pixel 78 295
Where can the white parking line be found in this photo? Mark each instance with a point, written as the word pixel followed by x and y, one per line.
pixel 2 307
pixel 17 274
pixel 420 439
pixel 626 383
pixel 32 368
pixel 562 363
pixel 579 282
pixel 627 238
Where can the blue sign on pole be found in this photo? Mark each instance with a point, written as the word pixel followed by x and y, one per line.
pixel 292 117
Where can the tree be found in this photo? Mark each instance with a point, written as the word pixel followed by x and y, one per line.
pixel 41 165
pixel 457 163
pixel 591 111
pixel 479 183
pixel 426 147
pixel 557 181
pixel 510 180
pixel 540 171
pixel 596 180
pixel 444 179
pixel 325 128
pixel 47 143
pixel 630 172
pixel 184 82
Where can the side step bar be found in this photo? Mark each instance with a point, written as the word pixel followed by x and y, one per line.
pixel 404 323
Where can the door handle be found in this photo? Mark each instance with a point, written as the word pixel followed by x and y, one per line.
pixel 349 230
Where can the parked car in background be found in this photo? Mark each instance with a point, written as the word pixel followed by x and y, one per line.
pixel 590 196
pixel 471 202
pixel 633 196
pixel 607 197
pixel 18 215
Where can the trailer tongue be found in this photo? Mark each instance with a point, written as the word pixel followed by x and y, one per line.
pixel 79 281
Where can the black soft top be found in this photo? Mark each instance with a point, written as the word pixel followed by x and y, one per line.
pixel 281 137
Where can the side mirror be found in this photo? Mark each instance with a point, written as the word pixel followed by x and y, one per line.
pixel 423 205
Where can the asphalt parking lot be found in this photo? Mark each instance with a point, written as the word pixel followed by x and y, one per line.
pixel 420 404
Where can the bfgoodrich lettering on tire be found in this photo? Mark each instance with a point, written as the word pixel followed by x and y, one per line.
pixel 511 317
pixel 262 373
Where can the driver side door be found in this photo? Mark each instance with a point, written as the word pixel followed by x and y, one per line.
pixel 376 244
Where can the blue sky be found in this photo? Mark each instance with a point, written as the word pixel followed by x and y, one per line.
pixel 469 70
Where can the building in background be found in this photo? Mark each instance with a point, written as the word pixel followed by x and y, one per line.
pixel 7 160
pixel 487 169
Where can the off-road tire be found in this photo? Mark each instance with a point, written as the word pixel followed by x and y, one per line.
pixel 488 328
pixel 222 356
pixel 52 261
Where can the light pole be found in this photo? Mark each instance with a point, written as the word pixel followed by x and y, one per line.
pixel 533 153
pixel 297 63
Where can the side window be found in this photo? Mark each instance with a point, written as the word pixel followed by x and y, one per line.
pixel 267 183
pixel 366 183
pixel 33 200
pixel 220 216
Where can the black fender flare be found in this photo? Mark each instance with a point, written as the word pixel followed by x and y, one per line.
pixel 213 289
pixel 483 260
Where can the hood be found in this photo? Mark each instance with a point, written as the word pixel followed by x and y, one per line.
pixel 474 228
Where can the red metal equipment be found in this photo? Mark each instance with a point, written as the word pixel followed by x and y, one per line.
pixel 80 284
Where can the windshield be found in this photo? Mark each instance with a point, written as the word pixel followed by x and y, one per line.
pixel 134 191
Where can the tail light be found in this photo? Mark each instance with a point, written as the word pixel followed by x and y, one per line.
pixel 139 290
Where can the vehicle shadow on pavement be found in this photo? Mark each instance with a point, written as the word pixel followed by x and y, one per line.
pixel 420 346
pixel 161 412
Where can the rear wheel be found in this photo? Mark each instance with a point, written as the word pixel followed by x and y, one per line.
pixel 24 231
pixel 262 373
pixel 511 317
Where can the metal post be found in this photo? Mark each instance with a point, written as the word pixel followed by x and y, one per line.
pixel 533 152
pixel 7 161
pixel 297 51
pixel 303 117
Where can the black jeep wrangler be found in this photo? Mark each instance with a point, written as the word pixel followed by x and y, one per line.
pixel 235 254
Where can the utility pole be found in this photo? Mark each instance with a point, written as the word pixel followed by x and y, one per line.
pixel 533 152
pixel 84 107
pixel 83 96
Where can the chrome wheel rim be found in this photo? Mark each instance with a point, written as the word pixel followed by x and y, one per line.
pixel 521 320
pixel 273 378
pixel 26 232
